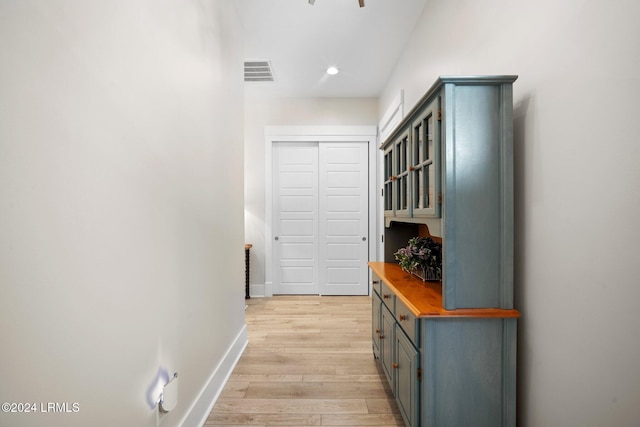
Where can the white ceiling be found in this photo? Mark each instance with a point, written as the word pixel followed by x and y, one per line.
pixel 301 41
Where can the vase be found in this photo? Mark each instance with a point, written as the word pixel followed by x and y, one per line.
pixel 427 274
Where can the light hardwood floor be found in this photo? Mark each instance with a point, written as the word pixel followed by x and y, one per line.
pixel 308 363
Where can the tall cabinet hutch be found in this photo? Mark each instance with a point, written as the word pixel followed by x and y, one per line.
pixel 448 348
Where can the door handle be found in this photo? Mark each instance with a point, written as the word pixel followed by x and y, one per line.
pixel 276 238
pixel 364 239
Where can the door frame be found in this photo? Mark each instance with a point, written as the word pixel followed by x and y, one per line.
pixel 368 134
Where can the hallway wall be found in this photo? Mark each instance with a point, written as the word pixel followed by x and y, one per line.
pixel 121 197
pixel 576 178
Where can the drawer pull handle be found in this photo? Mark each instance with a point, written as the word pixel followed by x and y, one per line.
pixel 394 366
pixel 403 317
pixel 375 282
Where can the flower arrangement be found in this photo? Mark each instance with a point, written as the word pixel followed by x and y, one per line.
pixel 422 257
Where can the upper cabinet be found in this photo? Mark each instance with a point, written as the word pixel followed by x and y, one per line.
pixel 449 165
pixel 411 168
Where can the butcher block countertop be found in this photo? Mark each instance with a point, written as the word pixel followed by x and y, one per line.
pixel 424 299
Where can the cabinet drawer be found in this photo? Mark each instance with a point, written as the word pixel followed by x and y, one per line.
pixel 407 322
pixel 376 283
pixel 388 297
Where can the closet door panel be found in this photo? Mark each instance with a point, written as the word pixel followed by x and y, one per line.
pixel 295 218
pixel 343 218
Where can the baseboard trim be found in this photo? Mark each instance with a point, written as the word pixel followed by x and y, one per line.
pixel 257 290
pixel 199 411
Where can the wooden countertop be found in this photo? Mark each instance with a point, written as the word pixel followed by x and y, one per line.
pixel 424 299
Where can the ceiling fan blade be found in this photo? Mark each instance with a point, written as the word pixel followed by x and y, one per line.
pixel 361 3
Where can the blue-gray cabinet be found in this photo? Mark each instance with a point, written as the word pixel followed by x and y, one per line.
pixel 395 339
pixel 448 348
pixel 446 367
pixel 469 372
pixel 449 166
pixel 407 375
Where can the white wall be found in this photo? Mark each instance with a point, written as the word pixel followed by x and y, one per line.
pixel 577 176
pixel 121 194
pixel 262 111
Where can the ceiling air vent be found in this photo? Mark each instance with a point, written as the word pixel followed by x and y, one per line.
pixel 258 71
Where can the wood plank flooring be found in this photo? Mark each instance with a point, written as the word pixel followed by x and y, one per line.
pixel 308 363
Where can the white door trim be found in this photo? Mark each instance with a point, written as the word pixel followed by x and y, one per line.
pixel 273 134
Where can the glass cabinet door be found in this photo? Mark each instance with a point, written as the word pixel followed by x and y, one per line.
pixel 389 177
pixel 402 155
pixel 425 163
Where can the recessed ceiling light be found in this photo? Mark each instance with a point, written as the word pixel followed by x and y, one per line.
pixel 332 71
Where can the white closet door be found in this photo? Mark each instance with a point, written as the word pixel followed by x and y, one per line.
pixel 295 218
pixel 343 218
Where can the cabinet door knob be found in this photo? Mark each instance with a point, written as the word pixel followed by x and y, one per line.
pixel 386 296
pixel 381 336
pixel 375 282
pixel 403 317
pixel 394 366
pixel 377 331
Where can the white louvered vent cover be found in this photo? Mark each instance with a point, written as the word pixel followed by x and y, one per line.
pixel 258 71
